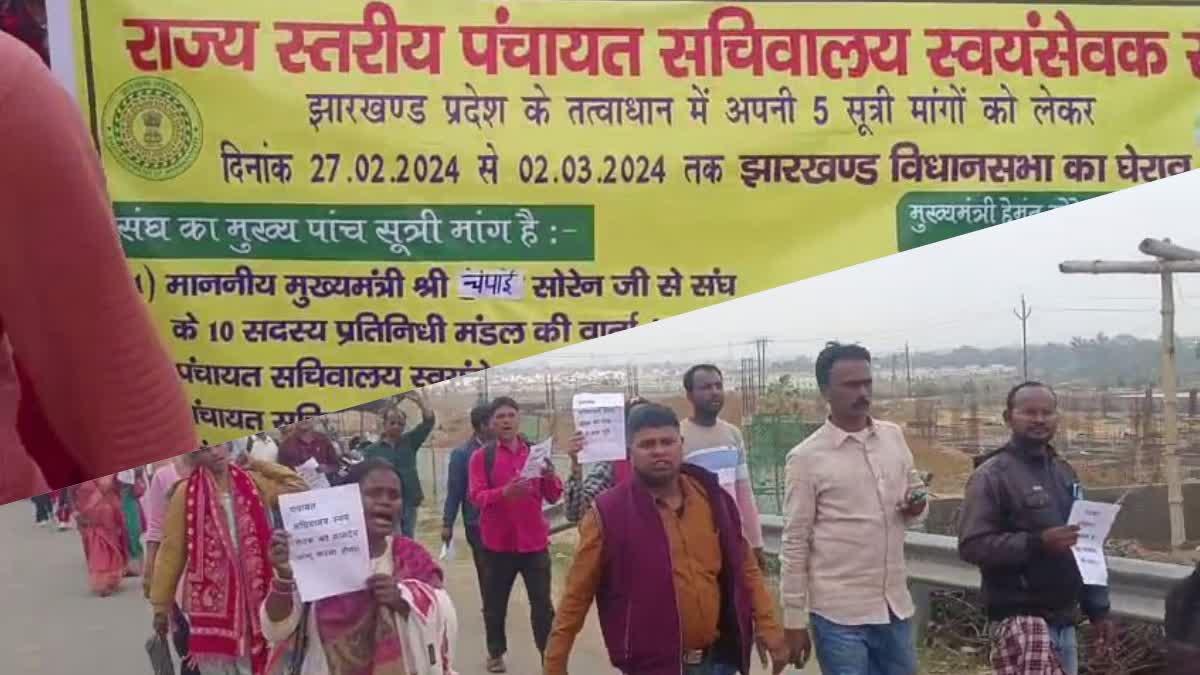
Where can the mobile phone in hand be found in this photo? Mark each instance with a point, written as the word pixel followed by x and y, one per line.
pixel 916 497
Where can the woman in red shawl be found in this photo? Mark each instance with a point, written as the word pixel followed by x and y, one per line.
pixel 402 623
pixel 102 527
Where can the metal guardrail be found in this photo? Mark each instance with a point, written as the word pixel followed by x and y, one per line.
pixel 1137 588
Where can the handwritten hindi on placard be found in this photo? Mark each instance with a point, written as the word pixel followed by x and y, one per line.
pixel 1094 519
pixel 601 418
pixel 328 541
pixel 535 463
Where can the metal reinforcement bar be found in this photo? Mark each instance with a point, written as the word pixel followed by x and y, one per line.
pixel 1138 588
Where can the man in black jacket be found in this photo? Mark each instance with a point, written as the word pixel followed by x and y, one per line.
pixel 457 482
pixel 1013 526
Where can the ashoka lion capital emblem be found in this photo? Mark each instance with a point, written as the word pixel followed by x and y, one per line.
pixel 153 128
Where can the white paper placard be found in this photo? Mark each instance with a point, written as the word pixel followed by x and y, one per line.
pixel 328 541
pixel 601 419
pixel 1094 519
pixel 538 455
pixel 309 471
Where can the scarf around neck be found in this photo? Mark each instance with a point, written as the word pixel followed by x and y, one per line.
pixel 225 584
pixel 358 636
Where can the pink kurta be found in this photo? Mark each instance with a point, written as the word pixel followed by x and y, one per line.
pixel 86 385
pixel 155 501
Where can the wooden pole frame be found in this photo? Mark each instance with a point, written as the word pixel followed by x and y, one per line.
pixel 1171 259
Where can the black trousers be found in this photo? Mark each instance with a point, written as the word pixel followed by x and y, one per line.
pixel 501 575
pixel 44 505
pixel 479 557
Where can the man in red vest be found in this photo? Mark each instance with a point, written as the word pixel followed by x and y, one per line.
pixel 676 586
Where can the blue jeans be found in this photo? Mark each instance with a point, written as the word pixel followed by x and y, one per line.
pixel 883 649
pixel 408 522
pixel 1066 648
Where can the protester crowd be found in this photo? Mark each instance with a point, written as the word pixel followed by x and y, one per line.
pixel 670 548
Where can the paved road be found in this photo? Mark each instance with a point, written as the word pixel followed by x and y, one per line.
pixel 54 626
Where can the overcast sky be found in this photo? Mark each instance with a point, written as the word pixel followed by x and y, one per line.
pixel 958 292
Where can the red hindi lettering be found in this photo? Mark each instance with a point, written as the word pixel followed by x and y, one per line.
pixel 1054 52
pixel 422 52
pixel 730 39
pixel 542 50
pixel 1194 55
pixel 861 56
pixel 207 38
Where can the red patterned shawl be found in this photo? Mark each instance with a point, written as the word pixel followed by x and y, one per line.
pixel 225 585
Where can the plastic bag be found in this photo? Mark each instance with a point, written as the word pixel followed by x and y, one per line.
pixel 160 656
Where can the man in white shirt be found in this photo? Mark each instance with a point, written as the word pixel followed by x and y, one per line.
pixel 263 448
pixel 852 489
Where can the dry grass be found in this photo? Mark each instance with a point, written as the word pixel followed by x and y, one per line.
pixel 950 468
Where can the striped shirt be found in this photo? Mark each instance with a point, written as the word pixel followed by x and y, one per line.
pixel 721 449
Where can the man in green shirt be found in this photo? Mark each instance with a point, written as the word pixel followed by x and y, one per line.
pixel 399 448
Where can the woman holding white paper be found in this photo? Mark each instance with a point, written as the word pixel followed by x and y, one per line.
pixel 403 613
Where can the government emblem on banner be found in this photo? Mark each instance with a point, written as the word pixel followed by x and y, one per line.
pixel 153 128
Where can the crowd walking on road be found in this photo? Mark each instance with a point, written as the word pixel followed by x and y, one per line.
pixel 670 548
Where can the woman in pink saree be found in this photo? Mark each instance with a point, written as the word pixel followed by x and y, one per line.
pixel 102 527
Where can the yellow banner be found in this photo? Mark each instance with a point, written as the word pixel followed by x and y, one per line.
pixel 326 202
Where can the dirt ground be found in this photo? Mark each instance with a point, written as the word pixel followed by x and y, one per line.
pixel 950 468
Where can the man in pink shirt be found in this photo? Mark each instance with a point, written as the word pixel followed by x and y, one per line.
pixel 87 388
pixel 516 536
pixel 155 504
